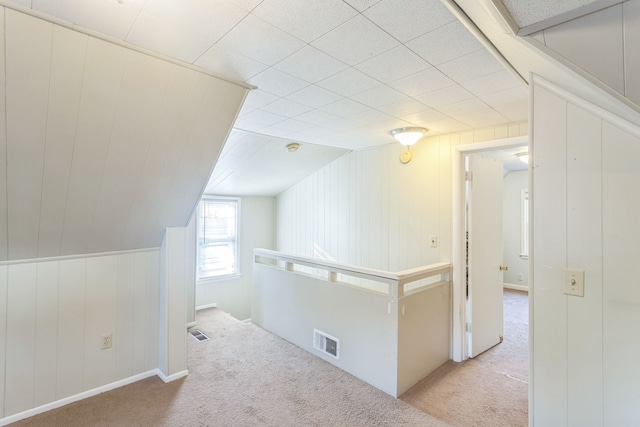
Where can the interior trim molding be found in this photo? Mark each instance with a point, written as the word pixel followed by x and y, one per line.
pixel 74 398
pixel 523 288
pixel 172 377
pixel 69 257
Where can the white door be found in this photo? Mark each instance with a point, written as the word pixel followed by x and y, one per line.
pixel 485 254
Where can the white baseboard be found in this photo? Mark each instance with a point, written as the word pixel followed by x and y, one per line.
pixel 191 324
pixel 172 377
pixel 523 288
pixel 202 307
pixel 62 402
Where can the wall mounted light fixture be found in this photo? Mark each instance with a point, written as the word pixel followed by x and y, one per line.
pixel 408 136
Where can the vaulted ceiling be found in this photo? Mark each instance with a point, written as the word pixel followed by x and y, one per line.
pixel 113 117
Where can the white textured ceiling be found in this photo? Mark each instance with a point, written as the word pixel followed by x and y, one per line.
pixel 339 73
pixel 527 12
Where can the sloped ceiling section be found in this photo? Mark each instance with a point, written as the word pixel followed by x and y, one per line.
pixel 247 158
pixel 101 147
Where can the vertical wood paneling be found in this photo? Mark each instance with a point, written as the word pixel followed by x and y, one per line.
pixel 123 337
pixel 46 337
pixel 383 188
pixel 335 209
pixel 20 341
pixel 100 319
pixel 144 82
pixel 549 252
pixel 343 210
pixel 67 68
pixel 375 207
pixel 584 252
pixel 631 34
pixel 152 263
pixel 3 334
pixel 168 145
pixel 445 197
pixel 621 293
pixel 71 327
pixel 103 72
pixel 365 208
pixel 594 43
pixel 28 61
pixel 353 212
pixel 3 158
pixel 187 131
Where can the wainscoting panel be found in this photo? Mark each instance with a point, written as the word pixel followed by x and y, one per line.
pixel 56 313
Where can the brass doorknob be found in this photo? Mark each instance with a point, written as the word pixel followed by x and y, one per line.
pixel 504 268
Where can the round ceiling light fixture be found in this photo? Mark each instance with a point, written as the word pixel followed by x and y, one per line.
pixel 293 147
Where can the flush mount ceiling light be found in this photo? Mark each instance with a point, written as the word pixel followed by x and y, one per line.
pixel 408 137
pixel 523 157
pixel 293 147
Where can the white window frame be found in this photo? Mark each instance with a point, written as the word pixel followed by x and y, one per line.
pixel 235 239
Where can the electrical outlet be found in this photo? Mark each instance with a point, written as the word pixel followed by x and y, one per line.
pixel 106 341
pixel 519 277
pixel 434 241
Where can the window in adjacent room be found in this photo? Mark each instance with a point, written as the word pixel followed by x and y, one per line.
pixel 217 225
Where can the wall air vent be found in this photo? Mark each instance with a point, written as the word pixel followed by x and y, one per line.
pixel 326 343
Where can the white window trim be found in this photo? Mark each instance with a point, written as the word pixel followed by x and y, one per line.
pixel 236 274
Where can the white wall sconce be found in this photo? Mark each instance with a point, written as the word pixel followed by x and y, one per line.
pixel 408 137
pixel 523 157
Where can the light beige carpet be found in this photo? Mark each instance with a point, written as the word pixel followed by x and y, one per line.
pixel 489 390
pixel 244 376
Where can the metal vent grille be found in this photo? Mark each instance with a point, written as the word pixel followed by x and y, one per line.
pixel 199 335
pixel 326 343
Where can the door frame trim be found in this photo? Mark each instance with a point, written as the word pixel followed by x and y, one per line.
pixel 459 351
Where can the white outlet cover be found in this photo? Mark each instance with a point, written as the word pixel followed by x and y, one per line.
pixel 573 282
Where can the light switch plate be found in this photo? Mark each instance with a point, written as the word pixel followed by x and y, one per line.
pixel 434 241
pixel 573 283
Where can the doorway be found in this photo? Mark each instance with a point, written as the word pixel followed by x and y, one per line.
pixel 477 324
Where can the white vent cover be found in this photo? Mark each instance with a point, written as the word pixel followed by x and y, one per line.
pixel 326 343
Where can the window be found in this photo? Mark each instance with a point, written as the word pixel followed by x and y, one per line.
pixel 524 224
pixel 217 225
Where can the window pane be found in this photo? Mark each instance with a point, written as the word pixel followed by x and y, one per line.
pixel 217 235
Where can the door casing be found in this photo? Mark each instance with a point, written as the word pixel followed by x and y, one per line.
pixel 458 342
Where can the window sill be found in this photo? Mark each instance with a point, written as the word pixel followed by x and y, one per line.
pixel 207 280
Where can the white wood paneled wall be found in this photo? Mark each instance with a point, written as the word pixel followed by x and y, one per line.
pixel 368 209
pixel 604 44
pixel 585 178
pixel 105 146
pixel 53 316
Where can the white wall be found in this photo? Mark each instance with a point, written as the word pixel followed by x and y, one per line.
pixel 604 44
pixel 368 209
pixel 53 314
pixel 257 230
pixel 584 349
pixel 172 319
pixel 514 183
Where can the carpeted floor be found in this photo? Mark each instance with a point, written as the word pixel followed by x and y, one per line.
pixel 244 376
pixel 489 390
